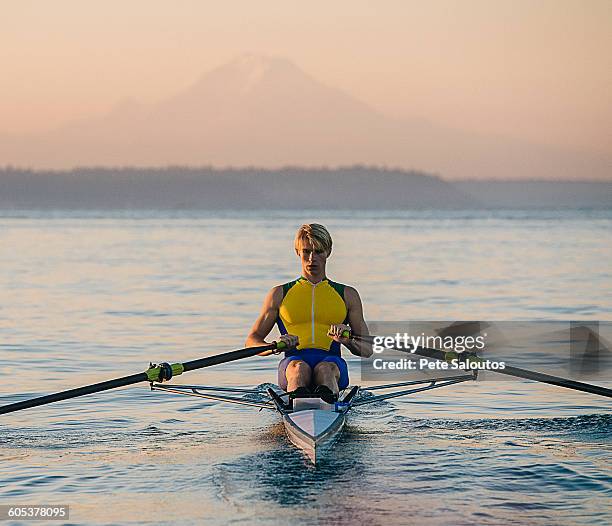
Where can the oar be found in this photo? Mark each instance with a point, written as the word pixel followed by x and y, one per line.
pixel 155 373
pixel 508 370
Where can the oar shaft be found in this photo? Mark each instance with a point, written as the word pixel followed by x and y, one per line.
pixel 509 370
pixel 523 373
pixel 152 375
pixel 555 380
pixel 73 393
pixel 226 357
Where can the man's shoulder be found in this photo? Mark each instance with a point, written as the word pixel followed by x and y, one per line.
pixel 275 295
pixel 351 296
pixel 285 287
pixel 346 291
pixel 278 292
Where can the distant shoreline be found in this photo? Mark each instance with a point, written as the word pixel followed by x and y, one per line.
pixel 9 168
pixel 347 188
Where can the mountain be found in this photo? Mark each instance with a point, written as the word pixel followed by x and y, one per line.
pixel 267 112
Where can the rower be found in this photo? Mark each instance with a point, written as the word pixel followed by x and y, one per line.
pixel 312 314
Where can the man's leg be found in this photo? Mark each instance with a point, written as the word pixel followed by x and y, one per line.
pixel 328 374
pixel 298 374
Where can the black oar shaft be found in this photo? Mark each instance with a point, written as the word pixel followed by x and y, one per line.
pixel 148 376
pixel 73 393
pixel 555 380
pixel 524 373
pixel 226 357
pixel 509 370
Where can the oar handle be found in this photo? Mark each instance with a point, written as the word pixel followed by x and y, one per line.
pixel 345 334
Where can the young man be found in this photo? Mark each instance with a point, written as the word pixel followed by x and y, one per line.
pixel 312 312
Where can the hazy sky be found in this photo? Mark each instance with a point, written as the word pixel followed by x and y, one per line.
pixel 537 69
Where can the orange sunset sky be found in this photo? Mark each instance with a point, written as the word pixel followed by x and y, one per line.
pixel 538 71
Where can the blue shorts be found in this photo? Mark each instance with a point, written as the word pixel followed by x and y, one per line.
pixel 312 357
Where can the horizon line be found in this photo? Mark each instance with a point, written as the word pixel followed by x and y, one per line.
pixel 324 168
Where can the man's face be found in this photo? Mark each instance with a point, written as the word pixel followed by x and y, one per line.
pixel 313 261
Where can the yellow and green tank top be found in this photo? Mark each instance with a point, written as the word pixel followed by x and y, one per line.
pixel 307 311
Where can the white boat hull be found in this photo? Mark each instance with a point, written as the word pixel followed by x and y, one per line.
pixel 313 430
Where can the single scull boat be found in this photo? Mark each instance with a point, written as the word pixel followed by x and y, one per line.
pixel 311 424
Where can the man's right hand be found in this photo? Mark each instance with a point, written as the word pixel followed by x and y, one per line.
pixel 290 340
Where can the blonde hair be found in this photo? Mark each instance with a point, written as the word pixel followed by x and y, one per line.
pixel 315 234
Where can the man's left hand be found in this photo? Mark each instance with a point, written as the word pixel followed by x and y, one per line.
pixel 335 333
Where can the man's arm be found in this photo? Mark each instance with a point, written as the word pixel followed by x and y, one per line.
pixel 266 320
pixel 357 323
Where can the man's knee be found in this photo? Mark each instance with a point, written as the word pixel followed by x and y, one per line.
pixel 327 368
pixel 297 367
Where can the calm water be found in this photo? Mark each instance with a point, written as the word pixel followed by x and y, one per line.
pixel 92 296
